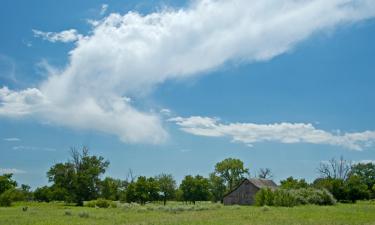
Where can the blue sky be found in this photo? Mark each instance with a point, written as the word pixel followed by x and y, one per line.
pixel 184 91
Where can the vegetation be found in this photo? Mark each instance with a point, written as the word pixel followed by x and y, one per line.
pixel 232 171
pixel 79 181
pixel 294 197
pixel 179 213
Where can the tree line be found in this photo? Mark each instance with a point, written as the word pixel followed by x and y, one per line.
pixel 80 179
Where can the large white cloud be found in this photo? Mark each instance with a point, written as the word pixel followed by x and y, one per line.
pixel 250 133
pixel 128 55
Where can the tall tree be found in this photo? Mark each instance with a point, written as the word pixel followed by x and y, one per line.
pixel 195 188
pixel 335 168
pixel 217 187
pixel 291 183
pixel 80 177
pixel 365 172
pixel 111 188
pixel 167 186
pixel 265 173
pixel 232 171
pixel 6 182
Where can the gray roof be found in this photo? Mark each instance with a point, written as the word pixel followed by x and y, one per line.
pixel 263 183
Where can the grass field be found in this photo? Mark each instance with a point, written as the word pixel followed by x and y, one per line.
pixel 177 213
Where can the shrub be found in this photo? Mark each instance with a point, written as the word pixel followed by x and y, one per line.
pixel 83 214
pixel 101 203
pixel 11 195
pixel 6 198
pixel 314 196
pixel 284 198
pixel 293 197
pixel 265 196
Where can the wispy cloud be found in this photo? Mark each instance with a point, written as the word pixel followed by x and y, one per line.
pixel 366 161
pixel 33 148
pixel 11 170
pixel 103 9
pixel 129 55
pixel 288 133
pixel 12 139
pixel 65 36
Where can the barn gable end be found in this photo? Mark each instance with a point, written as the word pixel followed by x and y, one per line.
pixel 244 193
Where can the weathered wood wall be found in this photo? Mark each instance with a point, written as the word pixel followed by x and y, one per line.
pixel 243 195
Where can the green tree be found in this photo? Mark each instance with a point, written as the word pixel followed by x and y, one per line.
pixel 365 172
pixel 291 183
pixel 153 188
pixel 356 190
pixel 232 171
pixel 337 187
pixel 167 186
pixel 80 177
pixel 111 188
pixel 43 194
pixel 6 182
pixel 217 187
pixel 130 193
pixel 195 188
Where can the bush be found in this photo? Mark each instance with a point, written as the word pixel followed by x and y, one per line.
pixel 284 198
pixel 83 214
pixel 11 195
pixel 264 197
pixel 100 203
pixel 6 198
pixel 314 196
pixel 293 197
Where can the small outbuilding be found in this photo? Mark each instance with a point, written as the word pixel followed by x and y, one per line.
pixel 244 193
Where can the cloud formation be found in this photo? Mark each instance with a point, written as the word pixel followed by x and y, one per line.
pixel 11 139
pixel 65 36
pixel 32 148
pixel 250 133
pixel 129 55
pixel 103 9
pixel 11 170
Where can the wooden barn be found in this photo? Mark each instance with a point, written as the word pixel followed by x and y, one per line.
pixel 244 193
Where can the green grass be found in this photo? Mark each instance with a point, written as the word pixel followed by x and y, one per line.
pixel 177 213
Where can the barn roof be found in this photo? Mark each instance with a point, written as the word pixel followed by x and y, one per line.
pixel 263 183
pixel 257 182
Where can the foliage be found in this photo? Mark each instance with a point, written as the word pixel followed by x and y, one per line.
pixel 232 171
pixel 6 198
pixel 217 187
pixel 167 186
pixel 143 190
pixel 11 195
pixel 352 189
pixel 100 203
pixel 313 196
pixel 356 190
pixel 291 183
pixel 293 197
pixel 42 194
pixel 6 182
pixel 195 188
pixel 203 213
pixel 78 178
pixel 365 172
pixel 264 196
pixel 112 189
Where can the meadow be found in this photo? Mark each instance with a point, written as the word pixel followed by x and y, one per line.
pixel 178 213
